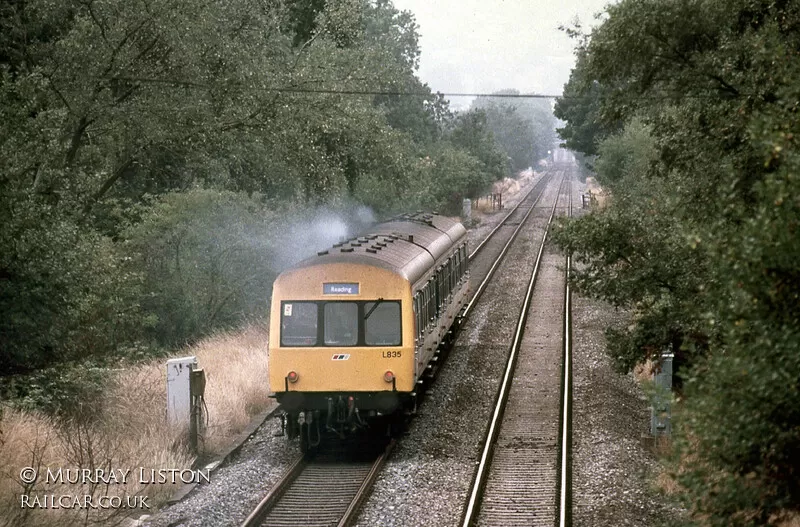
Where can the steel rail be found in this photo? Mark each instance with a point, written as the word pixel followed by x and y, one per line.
pixel 257 515
pixel 565 492
pixel 470 514
pixel 369 481
pixel 499 259
pixel 503 221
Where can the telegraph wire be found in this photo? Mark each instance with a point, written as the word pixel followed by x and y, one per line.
pixel 416 94
pixel 331 91
pixel 398 93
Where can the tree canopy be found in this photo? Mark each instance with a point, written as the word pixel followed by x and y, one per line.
pixel 692 110
pixel 145 143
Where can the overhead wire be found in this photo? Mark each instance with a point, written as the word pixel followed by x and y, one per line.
pixel 398 93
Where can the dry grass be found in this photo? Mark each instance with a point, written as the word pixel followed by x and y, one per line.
pixel 599 196
pixel 666 483
pixel 507 187
pixel 643 372
pixel 787 519
pixel 236 381
pixel 131 432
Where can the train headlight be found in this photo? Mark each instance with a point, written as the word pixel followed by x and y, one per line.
pixel 388 376
pixel 292 376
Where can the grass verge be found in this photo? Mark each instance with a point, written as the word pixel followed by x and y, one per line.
pixel 124 434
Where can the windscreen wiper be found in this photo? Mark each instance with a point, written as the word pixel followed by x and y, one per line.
pixel 373 308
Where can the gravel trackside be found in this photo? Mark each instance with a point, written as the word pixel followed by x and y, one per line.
pixel 612 463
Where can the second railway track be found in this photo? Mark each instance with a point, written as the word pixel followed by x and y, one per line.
pixel 521 476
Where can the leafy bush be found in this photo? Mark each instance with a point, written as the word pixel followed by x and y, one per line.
pixel 208 262
pixel 66 292
pixel 452 175
pixel 69 391
pixel 740 429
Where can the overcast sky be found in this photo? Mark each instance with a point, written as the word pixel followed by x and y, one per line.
pixel 471 46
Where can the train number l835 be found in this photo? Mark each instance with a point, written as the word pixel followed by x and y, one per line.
pixel 391 354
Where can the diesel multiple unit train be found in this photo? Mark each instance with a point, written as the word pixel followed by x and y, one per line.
pixel 353 329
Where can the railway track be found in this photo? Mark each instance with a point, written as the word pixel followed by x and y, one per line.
pixel 327 488
pixel 324 489
pixel 523 474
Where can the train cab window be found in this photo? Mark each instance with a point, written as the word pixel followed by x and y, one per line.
pixel 298 323
pixel 341 323
pixel 382 327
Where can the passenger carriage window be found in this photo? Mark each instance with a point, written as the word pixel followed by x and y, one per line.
pixel 298 323
pixel 431 303
pixel 441 291
pixel 450 274
pixel 382 327
pixel 426 309
pixel 415 305
pixel 341 323
pixel 420 315
pixel 445 280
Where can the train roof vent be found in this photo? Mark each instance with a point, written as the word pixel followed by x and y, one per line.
pixel 407 237
pixel 416 217
pixel 355 244
pixel 320 253
pixel 347 249
pixel 371 250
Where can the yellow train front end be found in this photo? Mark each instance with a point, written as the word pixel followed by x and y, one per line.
pixel 341 344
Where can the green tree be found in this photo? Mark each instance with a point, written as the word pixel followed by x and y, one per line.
pixel 715 83
pixel 470 131
pixel 104 103
pixel 524 127
pixel 580 107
